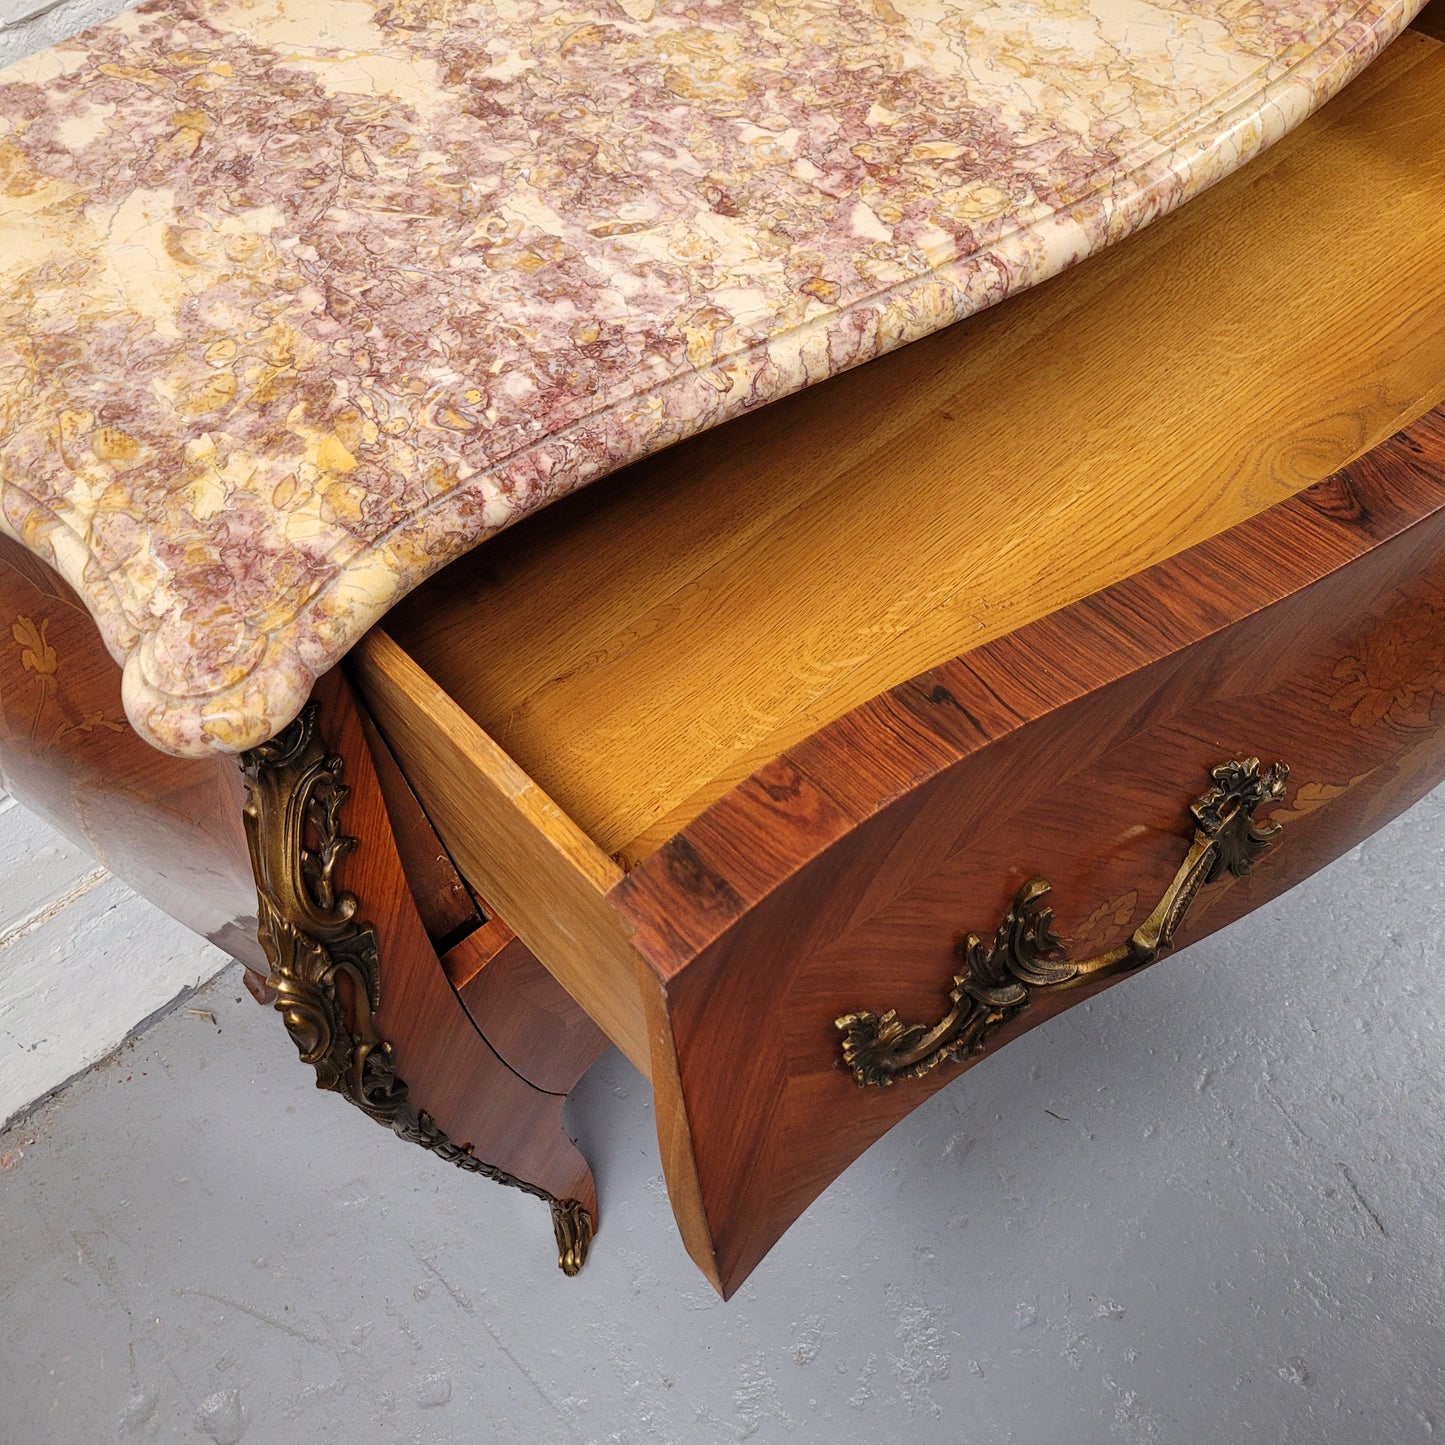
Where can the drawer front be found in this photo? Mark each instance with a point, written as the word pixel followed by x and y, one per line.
pixel 843 879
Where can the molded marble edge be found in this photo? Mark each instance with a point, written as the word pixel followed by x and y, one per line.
pixel 199 678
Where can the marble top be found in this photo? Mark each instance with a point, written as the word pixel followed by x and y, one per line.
pixel 301 299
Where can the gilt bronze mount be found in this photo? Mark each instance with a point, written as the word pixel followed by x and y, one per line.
pixel 325 964
pixel 1025 958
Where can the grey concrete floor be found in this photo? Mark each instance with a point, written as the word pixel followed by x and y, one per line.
pixel 1207 1207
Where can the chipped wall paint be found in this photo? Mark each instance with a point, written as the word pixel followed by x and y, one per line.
pixel 29 25
pixel 83 961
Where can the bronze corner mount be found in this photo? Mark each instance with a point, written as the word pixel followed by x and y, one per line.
pixel 326 966
pixel 1025 958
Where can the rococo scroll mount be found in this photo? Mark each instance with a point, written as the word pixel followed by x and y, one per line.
pixel 325 966
pixel 1025 958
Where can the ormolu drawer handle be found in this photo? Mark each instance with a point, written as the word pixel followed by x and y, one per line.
pixel 1000 979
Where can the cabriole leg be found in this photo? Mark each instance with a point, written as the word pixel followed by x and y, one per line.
pixel 358 982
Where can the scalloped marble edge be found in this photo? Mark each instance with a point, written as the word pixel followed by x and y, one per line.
pixel 262 694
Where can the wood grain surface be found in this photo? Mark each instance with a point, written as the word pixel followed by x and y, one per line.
pixel 1431 20
pixel 646 645
pixel 525 1014
pixel 527 1018
pixel 448 910
pixel 514 845
pixel 842 875
pixel 450 1070
pixel 168 827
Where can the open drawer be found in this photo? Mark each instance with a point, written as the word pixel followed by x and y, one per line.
pixel 745 742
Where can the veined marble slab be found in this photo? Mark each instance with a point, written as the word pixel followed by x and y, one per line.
pixel 302 299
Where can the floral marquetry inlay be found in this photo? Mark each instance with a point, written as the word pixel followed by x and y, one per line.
pixel 42 663
pixel 1396 668
pixel 38 658
pixel 300 301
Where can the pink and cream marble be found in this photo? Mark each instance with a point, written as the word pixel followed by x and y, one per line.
pixel 301 299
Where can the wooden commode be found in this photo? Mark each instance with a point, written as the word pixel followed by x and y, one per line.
pixel 815 757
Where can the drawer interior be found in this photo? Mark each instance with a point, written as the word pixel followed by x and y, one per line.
pixel 644 645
